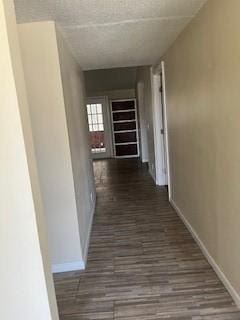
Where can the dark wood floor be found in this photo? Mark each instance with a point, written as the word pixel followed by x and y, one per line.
pixel 143 264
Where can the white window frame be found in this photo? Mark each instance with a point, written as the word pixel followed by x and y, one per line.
pixel 107 126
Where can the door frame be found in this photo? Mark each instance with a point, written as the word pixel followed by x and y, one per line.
pixel 160 126
pixel 137 128
pixel 107 126
pixel 165 123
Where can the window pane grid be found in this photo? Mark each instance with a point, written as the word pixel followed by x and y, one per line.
pixel 96 127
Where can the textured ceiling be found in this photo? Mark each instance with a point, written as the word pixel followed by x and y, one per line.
pixel 113 33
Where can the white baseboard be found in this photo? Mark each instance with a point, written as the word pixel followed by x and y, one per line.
pixel 81 264
pixel 68 266
pixel 161 181
pixel 85 251
pixel 212 262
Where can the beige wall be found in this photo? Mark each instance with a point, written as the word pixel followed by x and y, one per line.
pixel 203 76
pixel 26 289
pixel 144 77
pixel 75 106
pixel 50 100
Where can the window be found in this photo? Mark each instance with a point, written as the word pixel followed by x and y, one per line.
pixel 96 127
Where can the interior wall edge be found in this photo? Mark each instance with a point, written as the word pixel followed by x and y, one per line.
pixel 68 266
pixel 206 253
pixel 80 264
pixel 87 242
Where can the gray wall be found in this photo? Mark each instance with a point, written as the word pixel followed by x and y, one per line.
pixel 75 106
pixel 142 121
pixel 61 141
pixel 109 80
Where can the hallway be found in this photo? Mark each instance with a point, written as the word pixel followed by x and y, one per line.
pixel 143 264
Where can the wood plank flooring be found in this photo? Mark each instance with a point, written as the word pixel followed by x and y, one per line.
pixel 143 264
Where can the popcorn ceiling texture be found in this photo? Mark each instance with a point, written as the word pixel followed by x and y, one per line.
pixel 113 33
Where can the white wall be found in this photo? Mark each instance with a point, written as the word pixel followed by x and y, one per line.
pixel 144 76
pixel 157 118
pixel 54 150
pixel 75 106
pixel 151 122
pixel 203 76
pixel 26 288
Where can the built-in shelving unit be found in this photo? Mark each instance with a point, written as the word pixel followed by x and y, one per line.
pixel 125 128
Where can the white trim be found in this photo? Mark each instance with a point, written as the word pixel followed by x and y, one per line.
pixel 125 110
pixel 121 121
pixel 113 131
pixel 137 127
pixel 125 143
pixel 107 126
pixel 68 266
pixel 157 127
pixel 165 123
pixel 127 99
pixel 87 242
pixel 123 131
pixel 127 157
pixel 210 259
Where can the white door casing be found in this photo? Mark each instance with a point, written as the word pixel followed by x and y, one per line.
pixel 157 129
pixel 166 131
pixel 108 152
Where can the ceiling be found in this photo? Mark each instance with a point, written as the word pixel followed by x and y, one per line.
pixel 113 33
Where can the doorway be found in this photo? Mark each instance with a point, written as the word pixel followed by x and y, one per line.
pixel 99 127
pixel 160 127
pixel 163 105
